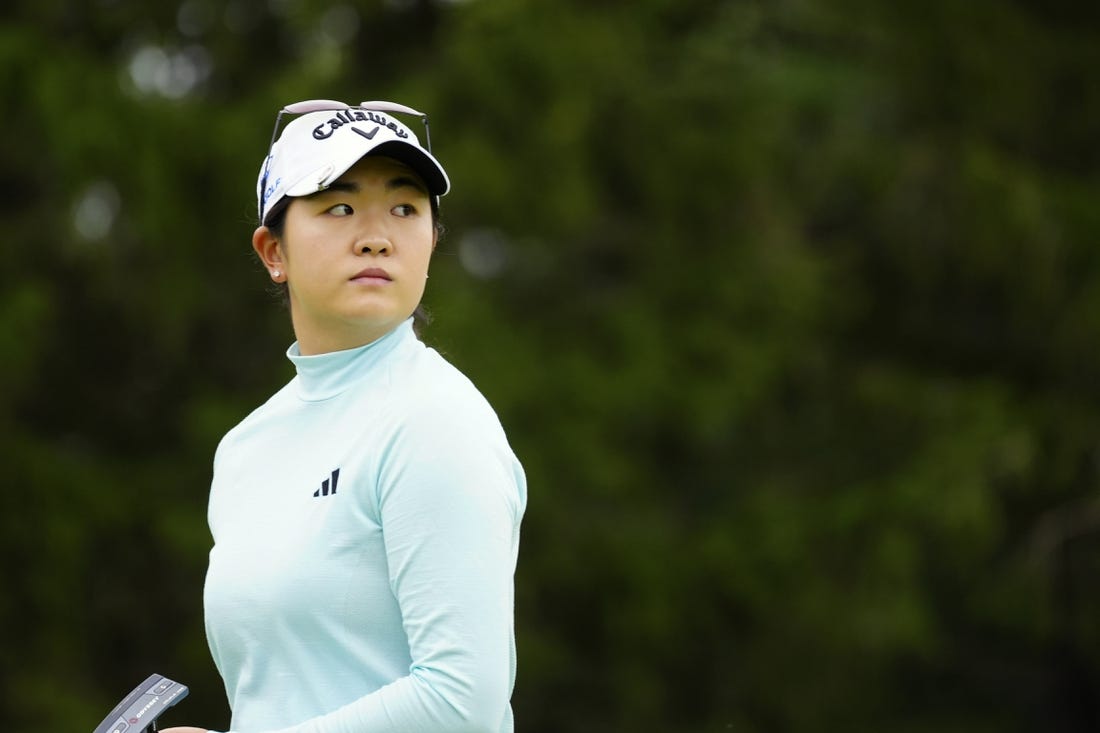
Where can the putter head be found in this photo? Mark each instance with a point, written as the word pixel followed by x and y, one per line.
pixel 139 710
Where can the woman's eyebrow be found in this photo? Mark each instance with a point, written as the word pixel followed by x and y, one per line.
pixel 396 183
pixel 336 187
pixel 406 181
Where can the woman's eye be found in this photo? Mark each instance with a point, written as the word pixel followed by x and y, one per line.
pixel 404 209
pixel 341 210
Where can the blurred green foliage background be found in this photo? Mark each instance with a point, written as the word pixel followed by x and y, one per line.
pixel 791 309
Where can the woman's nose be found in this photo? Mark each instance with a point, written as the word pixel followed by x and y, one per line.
pixel 373 245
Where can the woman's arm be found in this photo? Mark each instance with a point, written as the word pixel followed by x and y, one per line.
pixel 450 498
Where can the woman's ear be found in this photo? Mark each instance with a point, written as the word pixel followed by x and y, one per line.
pixel 270 252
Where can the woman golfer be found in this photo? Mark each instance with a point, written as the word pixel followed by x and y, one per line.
pixel 366 517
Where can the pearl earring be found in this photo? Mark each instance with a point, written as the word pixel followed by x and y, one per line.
pixel 275 273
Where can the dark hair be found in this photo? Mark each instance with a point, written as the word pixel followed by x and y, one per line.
pixel 277 224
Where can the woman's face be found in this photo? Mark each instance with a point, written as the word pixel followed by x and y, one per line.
pixel 355 256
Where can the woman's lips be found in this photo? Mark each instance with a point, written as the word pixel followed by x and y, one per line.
pixel 372 275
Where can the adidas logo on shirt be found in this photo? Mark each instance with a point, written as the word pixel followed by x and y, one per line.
pixel 328 486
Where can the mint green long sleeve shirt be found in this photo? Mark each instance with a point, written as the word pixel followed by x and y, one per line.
pixel 366 528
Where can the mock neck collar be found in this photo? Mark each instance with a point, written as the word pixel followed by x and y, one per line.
pixel 322 376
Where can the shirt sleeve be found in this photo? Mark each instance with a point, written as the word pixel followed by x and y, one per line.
pixel 450 498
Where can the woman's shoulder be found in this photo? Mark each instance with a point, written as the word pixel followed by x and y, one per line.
pixel 440 413
pixel 260 416
pixel 431 387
